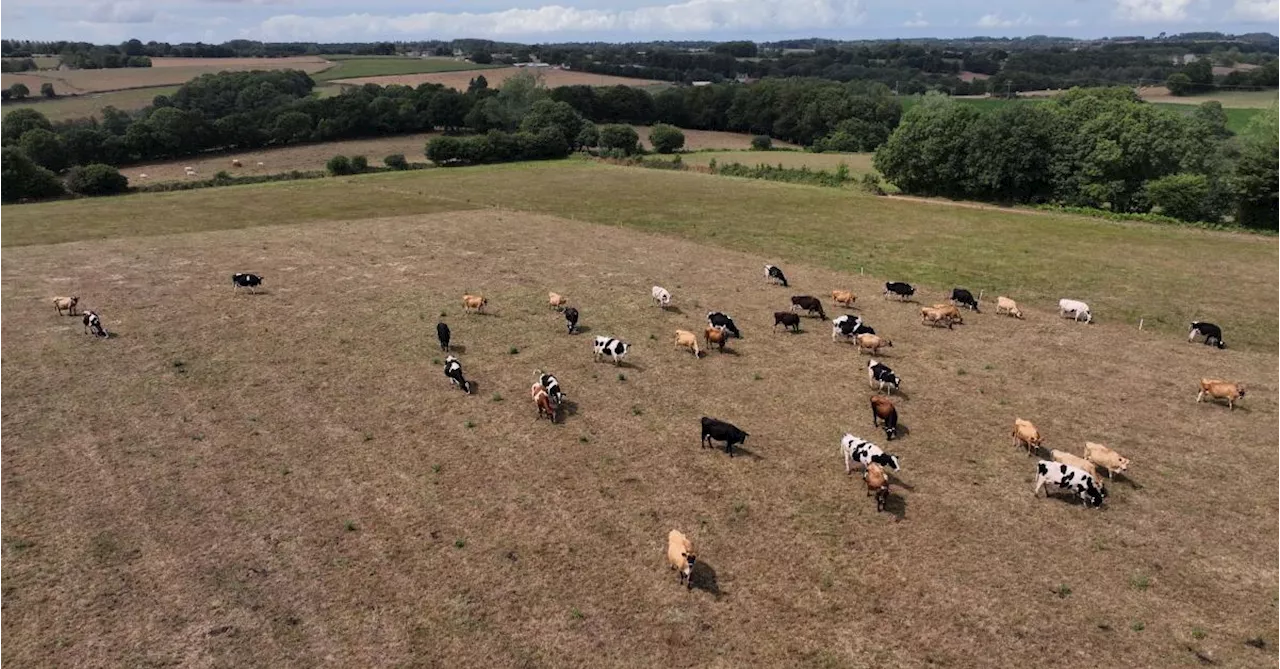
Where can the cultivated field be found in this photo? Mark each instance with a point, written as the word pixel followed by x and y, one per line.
pixel 287 479
pixel 495 77
pixel 163 72
pixel 1229 99
pixel 92 104
pixel 347 67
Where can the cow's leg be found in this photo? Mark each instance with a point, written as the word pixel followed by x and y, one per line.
pixel 1200 397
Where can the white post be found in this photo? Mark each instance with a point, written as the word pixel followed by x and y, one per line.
pixel 1140 322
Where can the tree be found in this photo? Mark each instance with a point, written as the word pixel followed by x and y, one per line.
pixel 1179 84
pixel 175 132
pixel 1213 117
pixel 19 121
pixel 589 136
pixel 620 137
pixel 22 179
pixel 294 126
pixel 666 138
pixel 46 89
pixel 1188 197
pixel 396 161
pixel 44 148
pixel 481 58
pixel 1257 172
pixel 558 116
pixel 338 165
pixel 762 143
pixel 19 91
pixel 443 150
pixel 479 83
pixel 927 153
pixel 359 164
pixel 96 179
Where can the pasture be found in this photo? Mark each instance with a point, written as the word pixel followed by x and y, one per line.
pixel 287 478
pixel 347 67
pixel 163 72
pixel 459 80
pixel 69 107
pixel 858 163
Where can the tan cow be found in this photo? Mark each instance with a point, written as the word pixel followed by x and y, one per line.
pixel 934 316
pixel 67 303
pixel 474 303
pixel 715 336
pixel 1005 305
pixel 557 301
pixel 1221 390
pixel 869 343
pixel 951 311
pixel 680 556
pixel 688 340
pixel 1104 457
pixel 843 297
pixel 877 481
pixel 1075 461
pixel 542 400
pixel 1026 434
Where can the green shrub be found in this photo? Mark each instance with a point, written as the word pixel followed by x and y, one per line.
pixel 46 89
pixel 22 179
pixel 359 164
pixel 871 183
pixel 45 148
pixel 762 143
pixel 19 91
pixel 1188 197
pixel 589 136
pixel 620 137
pixel 396 161
pixel 338 165
pixel 666 138
pixel 96 179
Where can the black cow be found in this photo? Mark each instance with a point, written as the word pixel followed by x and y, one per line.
pixel 1212 334
pixel 808 303
pixel 719 430
pixel 719 320
pixel 787 319
pixel 453 370
pixel 93 324
pixel 772 273
pixel 243 280
pixel 442 333
pixel 571 315
pixel 960 296
pixel 898 288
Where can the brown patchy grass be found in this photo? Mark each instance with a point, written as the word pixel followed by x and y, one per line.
pixel 495 77
pixel 164 72
pixel 288 479
pixel 699 140
pixel 88 105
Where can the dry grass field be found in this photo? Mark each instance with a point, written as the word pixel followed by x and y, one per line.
pixel 92 104
pixel 858 163
pixel 1229 99
pixel 287 479
pixel 496 76
pixel 698 140
pixel 163 72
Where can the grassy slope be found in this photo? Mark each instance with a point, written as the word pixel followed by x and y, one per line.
pixel 374 66
pixel 1126 271
pixel 84 106
pixel 858 163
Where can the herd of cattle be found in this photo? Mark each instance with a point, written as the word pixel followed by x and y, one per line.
pixel 1076 474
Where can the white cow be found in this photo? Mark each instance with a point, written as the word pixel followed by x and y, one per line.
pixel 660 296
pixel 1076 309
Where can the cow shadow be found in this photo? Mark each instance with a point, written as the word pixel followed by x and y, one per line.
pixel 703 577
pixel 472 387
pixel 673 309
pixel 726 351
pixel 456 348
pixel 626 364
pixel 896 505
pixel 254 292
pixel 568 408
pixel 896 393
pixel 1119 477
pixel 740 452
pixel 581 329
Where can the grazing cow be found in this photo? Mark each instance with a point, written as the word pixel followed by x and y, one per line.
pixel 1075 461
pixel 1069 478
pixel 688 340
pixel 860 451
pixel 877 481
pixel 900 289
pixel 557 301
pixel 453 370
pixel 717 337
pixel 775 275
pixel 1077 309
pixel 614 348
pixel 1026 434
pixel 144 176
pixel 962 297
pixel 881 377
pixel 660 296
pixel 681 557
pixel 474 303
pixel 571 315
pixel 246 280
pixel 93 324
pixel 260 163
pixel 442 333
pixel 787 319
pixel 1212 334
pixel 869 343
pixel 844 298
pixel 235 162
pixel 1221 390
pixel 722 320
pixel 808 303
pixel 884 411
pixel 1106 458
pixel 67 303
pixel 845 326
pixel 542 400
pixel 1005 305
pixel 719 430
pixel 951 311
pixel 552 386
pixel 935 316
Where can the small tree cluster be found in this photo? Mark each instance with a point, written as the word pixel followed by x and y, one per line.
pixel 96 179
pixel 396 161
pixel 22 179
pixel 619 137
pixel 762 143
pixel 497 147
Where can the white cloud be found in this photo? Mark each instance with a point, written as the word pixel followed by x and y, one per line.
pixel 120 12
pixel 918 22
pixel 1151 11
pixel 1257 10
pixel 689 17
pixel 996 21
pixel 1073 23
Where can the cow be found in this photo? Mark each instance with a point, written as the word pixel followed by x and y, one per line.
pixel 722 320
pixel 935 316
pixel 614 348
pixel 1221 390
pixel 1069 478
pixel 246 280
pixel 718 430
pixel 453 370
pixel 235 162
pixel 688 340
pixel 898 288
pixel 660 296
pixel 1212 334
pixel 877 480
pixel 808 303
pixel 881 377
pixel 681 557
pixel 67 303
pixel 1005 305
pixel 869 343
pixel 542 400
pixel 845 326
pixel 962 297
pixel 1074 460
pixel 844 298
pixel 552 386
pixel 1025 434
pixel 1076 309
pixel 557 301
pixel 442 333
pixel 884 411
pixel 775 275
pixel 860 451
pixel 786 319
pixel 571 315
pixel 1104 457
pixel 474 303
pixel 715 336
pixel 93 324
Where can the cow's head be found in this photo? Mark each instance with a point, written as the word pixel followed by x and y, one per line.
pixel 1094 492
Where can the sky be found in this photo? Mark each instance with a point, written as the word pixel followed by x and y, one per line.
pixel 534 21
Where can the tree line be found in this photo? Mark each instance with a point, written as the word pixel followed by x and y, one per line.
pixel 1098 148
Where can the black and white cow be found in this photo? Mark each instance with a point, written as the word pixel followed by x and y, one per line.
pixel 845 326
pixel 571 315
pixel 863 452
pixel 1070 478
pixel 614 348
pixel 717 319
pixel 93 324
pixel 442 333
pixel 772 273
pixel 552 387
pixel 809 303
pixel 881 377
pixel 1212 334
pixel 719 430
pixel 898 288
pixel 962 297
pixel 453 370
pixel 244 280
